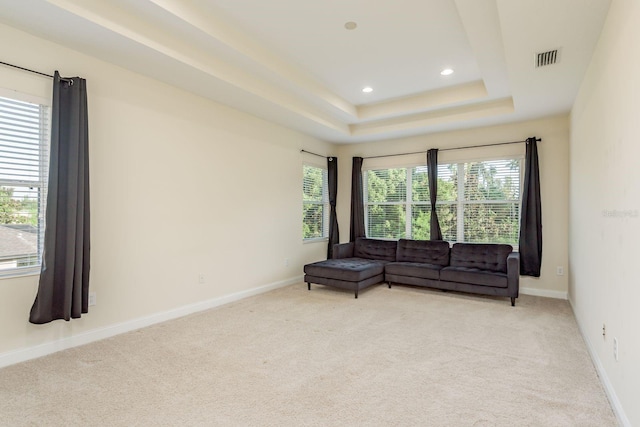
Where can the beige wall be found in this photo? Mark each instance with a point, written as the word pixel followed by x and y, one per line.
pixel 170 175
pixel 179 186
pixel 605 205
pixel 553 153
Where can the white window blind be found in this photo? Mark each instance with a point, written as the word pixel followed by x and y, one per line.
pixel 386 203
pixel 484 209
pixel 24 152
pixel 315 203
pixel 447 201
pixel 492 201
pixel 397 203
pixel 420 205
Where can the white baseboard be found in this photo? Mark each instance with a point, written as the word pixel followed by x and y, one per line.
pixel 22 355
pixel 608 387
pixel 544 293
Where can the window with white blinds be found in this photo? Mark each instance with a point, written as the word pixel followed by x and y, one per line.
pixel 484 209
pixel 397 203
pixel 24 152
pixel 315 203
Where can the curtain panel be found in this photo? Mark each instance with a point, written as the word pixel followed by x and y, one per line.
pixel 334 233
pixel 530 246
pixel 63 289
pixel 432 170
pixel 357 201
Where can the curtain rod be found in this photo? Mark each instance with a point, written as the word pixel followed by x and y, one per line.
pixel 449 149
pixel 70 81
pixel 319 155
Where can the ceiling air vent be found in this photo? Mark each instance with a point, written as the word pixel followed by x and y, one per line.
pixel 547 58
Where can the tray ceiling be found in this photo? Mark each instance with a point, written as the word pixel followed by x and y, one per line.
pixel 294 62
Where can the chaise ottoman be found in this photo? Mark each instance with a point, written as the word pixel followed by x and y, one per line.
pixel 352 273
pixel 355 266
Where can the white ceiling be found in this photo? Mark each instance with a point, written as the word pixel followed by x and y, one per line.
pixel 294 63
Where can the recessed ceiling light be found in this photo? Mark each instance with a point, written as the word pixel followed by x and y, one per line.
pixel 367 89
pixel 351 25
pixel 446 72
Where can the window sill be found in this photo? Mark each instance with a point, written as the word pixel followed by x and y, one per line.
pixel 317 240
pixel 18 274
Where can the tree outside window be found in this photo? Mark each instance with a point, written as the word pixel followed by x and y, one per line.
pixel 484 209
pixel 23 174
pixel 315 203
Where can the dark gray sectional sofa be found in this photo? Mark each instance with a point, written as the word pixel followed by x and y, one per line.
pixel 488 269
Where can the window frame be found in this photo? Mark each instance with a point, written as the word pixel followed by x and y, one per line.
pixel 459 203
pixel 408 202
pixel 324 203
pixel 40 184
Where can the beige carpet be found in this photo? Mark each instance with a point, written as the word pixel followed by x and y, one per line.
pixel 393 357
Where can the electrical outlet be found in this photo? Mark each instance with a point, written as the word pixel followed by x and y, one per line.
pixel 92 298
pixel 201 279
pixel 615 348
pixel 560 270
pixel 286 262
pixel 604 331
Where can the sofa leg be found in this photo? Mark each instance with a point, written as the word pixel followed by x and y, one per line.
pixel 389 283
pixel 356 294
pixel 513 302
pixel 308 286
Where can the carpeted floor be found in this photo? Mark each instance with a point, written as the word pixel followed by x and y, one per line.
pixel 290 357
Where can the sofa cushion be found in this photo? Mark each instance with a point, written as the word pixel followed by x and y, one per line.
pixel 348 269
pixel 375 249
pixel 490 257
pixel 435 252
pixel 413 269
pixel 474 276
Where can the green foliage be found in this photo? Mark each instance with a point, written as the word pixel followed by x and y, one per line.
pixel 447 198
pixel 420 222
pixel 312 184
pixel 387 221
pixel 448 183
pixel 483 221
pixel 491 222
pixel 387 185
pixel 448 219
pixel 313 221
pixel 313 202
pixel 386 192
pixel 15 210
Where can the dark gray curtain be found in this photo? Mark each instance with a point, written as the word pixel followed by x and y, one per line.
pixel 357 201
pixel 531 215
pixel 334 233
pixel 63 291
pixel 432 170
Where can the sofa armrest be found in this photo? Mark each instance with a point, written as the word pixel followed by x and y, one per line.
pixel 513 274
pixel 343 250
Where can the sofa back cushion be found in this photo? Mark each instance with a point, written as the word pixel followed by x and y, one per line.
pixel 434 252
pixel 384 250
pixel 485 256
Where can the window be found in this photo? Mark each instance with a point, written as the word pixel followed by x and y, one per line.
pixel 484 209
pixel 397 203
pixel 24 151
pixel 315 203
